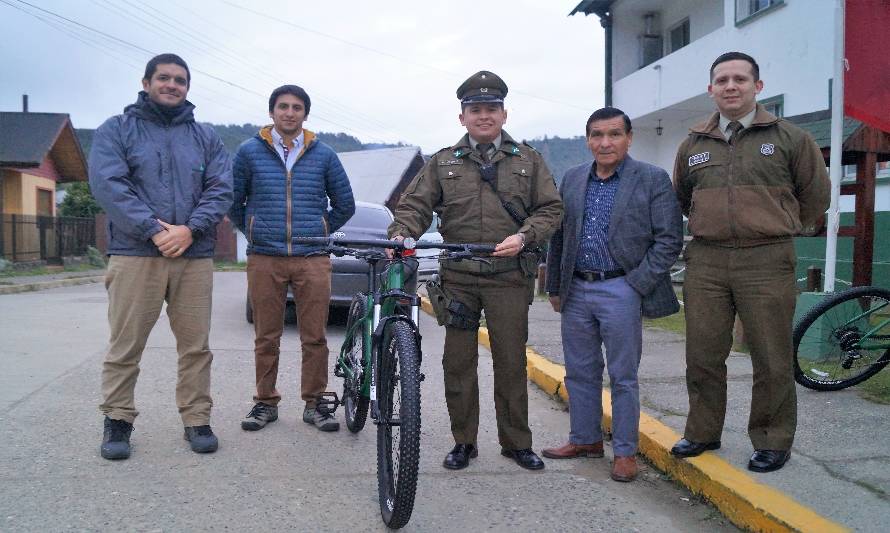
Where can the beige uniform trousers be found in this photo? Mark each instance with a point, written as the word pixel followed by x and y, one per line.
pixel 137 289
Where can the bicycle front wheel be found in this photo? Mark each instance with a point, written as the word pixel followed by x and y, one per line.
pixel 843 340
pixel 355 404
pixel 398 430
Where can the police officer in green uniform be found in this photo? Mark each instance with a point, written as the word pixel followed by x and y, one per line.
pixel 749 182
pixel 487 188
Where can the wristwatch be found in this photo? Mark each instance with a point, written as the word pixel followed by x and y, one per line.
pixel 521 236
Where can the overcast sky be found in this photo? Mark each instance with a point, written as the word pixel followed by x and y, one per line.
pixel 384 71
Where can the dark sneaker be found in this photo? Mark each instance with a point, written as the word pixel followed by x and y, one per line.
pixel 323 421
pixel 201 439
pixel 116 439
pixel 259 416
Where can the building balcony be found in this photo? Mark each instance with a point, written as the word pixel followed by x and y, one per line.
pixel 673 79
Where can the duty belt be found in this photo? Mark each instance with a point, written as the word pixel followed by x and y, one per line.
pixel 495 265
pixel 598 275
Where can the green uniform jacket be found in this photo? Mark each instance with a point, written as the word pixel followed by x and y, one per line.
pixel 769 185
pixel 470 211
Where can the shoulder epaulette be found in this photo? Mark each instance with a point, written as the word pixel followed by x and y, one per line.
pixel 530 146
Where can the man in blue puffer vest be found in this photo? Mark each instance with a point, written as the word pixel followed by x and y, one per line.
pixel 284 180
pixel 165 181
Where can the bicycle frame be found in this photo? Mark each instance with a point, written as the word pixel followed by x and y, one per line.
pixel 381 304
pixel 871 333
pixel 381 310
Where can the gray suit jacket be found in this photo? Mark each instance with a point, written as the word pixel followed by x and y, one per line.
pixel 645 234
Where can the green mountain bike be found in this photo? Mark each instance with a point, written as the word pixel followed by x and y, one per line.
pixel 843 340
pixel 380 362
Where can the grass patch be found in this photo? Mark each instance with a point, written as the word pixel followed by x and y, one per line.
pixel 877 388
pixel 230 266
pixel 675 323
pixel 43 270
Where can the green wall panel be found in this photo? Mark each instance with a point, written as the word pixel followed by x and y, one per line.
pixel 811 251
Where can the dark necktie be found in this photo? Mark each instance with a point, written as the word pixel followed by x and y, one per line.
pixel 484 149
pixel 734 128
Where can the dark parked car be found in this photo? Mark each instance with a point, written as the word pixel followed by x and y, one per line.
pixel 350 275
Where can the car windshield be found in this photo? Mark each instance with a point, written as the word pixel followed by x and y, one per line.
pixel 365 217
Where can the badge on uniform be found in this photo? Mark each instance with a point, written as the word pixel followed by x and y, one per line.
pixel 698 159
pixel 767 149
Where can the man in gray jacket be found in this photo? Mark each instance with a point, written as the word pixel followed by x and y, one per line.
pixel 164 181
pixel 608 265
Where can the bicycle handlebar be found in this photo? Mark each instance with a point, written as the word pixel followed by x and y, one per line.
pixel 407 244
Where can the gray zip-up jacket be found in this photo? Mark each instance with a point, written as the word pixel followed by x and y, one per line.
pixel 146 166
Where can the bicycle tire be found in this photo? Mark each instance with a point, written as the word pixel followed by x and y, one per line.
pixel 355 404
pixel 825 355
pixel 397 462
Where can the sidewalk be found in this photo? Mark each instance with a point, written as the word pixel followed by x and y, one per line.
pixel 839 473
pixel 16 284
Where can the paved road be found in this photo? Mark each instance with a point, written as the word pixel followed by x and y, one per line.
pixel 287 477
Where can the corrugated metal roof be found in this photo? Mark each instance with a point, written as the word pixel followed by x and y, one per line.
pixel 374 174
pixel 818 124
pixel 588 7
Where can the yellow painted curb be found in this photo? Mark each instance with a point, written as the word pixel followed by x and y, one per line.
pixel 743 500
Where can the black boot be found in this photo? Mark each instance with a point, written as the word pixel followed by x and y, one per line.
pixel 116 439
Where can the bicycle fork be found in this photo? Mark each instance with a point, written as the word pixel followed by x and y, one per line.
pixel 378 350
pixel 375 352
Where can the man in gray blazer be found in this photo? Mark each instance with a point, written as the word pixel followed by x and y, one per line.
pixel 607 267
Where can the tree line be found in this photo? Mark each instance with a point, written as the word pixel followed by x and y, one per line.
pixel 559 153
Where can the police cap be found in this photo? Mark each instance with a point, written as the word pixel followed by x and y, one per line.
pixel 483 86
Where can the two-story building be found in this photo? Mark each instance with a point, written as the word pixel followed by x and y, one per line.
pixel 658 56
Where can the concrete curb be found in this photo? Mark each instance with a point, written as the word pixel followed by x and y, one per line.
pixel 41 285
pixel 744 501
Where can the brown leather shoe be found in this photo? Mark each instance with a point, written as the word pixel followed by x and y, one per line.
pixel 570 451
pixel 624 468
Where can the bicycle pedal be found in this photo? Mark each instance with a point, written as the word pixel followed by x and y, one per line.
pixel 327 402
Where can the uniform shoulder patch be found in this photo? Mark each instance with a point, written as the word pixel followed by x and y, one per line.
pixel 698 159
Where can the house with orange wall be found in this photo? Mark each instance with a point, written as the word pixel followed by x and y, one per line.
pixel 37 151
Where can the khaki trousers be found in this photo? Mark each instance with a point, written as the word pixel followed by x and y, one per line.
pixel 757 283
pixel 137 289
pixel 504 298
pixel 310 280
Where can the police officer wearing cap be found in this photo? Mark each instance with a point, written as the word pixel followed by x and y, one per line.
pixel 487 188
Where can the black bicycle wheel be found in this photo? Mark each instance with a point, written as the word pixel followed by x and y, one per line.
pixel 843 340
pixel 398 430
pixel 355 405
